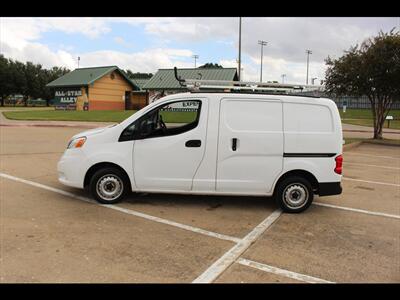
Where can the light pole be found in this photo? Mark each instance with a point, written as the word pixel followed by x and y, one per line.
pixel 240 47
pixel 313 79
pixel 241 69
pixel 308 55
pixel 283 77
pixel 195 58
pixel 262 43
pixel 78 61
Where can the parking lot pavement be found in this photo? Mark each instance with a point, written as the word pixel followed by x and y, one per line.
pixel 371 197
pixel 333 245
pixel 29 140
pixel 381 155
pixel 371 179
pixel 33 152
pixel 373 172
pixel 221 214
pixel 46 237
pixel 242 274
pixel 49 235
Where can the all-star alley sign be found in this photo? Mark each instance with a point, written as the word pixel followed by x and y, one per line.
pixel 66 98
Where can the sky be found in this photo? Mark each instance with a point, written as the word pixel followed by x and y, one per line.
pixel 147 44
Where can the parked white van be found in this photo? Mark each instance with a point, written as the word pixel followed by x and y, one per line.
pixel 214 143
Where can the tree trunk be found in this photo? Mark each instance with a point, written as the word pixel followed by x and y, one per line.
pixel 382 108
pixel 378 129
pixel 2 101
pixel 374 114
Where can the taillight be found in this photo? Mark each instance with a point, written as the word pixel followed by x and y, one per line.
pixel 339 164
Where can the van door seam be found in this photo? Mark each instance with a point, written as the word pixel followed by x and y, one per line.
pixel 205 148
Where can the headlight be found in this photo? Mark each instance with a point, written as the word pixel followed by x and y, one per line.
pixel 76 143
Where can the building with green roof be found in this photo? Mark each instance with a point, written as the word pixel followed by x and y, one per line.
pixel 140 82
pixel 95 88
pixel 164 81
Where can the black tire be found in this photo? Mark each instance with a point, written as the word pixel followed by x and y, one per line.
pixel 109 180
pixel 292 189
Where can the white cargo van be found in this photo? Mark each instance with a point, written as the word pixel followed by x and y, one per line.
pixel 214 143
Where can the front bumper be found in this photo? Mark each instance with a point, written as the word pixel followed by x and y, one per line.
pixel 70 168
pixel 329 188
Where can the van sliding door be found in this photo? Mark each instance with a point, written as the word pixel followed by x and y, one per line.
pixel 250 145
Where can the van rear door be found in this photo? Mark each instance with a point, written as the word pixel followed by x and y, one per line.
pixel 250 145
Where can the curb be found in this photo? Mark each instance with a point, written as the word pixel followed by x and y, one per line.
pixel 381 143
pixel 369 131
pixel 357 144
pixel 352 146
pixel 49 125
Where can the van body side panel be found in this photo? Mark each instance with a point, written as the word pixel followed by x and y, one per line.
pixel 313 137
pixel 321 167
pixel 250 145
pixel 309 128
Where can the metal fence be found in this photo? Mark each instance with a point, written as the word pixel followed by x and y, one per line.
pixel 358 102
pixel 350 101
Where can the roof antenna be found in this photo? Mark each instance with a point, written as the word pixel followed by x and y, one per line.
pixel 178 78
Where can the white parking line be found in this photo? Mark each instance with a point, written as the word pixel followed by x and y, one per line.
pixel 373 213
pixel 281 272
pixel 366 165
pixel 369 181
pixel 125 210
pixel 234 253
pixel 371 155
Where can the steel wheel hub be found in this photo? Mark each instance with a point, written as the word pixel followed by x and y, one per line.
pixel 109 187
pixel 295 195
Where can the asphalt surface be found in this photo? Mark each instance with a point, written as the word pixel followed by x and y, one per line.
pixel 48 233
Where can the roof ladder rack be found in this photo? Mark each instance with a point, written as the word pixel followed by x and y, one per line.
pixel 197 84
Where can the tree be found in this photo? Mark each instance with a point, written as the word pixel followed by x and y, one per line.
pixel 211 66
pixel 48 76
pixel 27 79
pixel 33 87
pixel 138 75
pixel 371 69
pixel 5 74
pixel 18 79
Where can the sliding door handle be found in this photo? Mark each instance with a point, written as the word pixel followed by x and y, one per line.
pixel 234 144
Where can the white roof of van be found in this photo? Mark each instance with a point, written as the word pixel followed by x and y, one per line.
pixel 285 98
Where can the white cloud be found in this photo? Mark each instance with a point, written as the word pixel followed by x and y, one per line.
pixel 285 53
pixel 250 72
pixel 288 38
pixel 189 29
pixel 19 41
pixel 146 61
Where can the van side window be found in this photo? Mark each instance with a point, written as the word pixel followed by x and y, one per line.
pixel 169 119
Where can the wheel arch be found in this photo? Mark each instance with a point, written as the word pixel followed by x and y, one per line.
pixel 101 165
pixel 301 173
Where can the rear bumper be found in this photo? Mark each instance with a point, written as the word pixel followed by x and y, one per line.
pixel 330 188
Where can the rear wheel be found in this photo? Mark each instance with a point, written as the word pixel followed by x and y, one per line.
pixel 109 185
pixel 294 194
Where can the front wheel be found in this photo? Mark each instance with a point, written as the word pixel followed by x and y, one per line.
pixel 294 194
pixel 109 185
